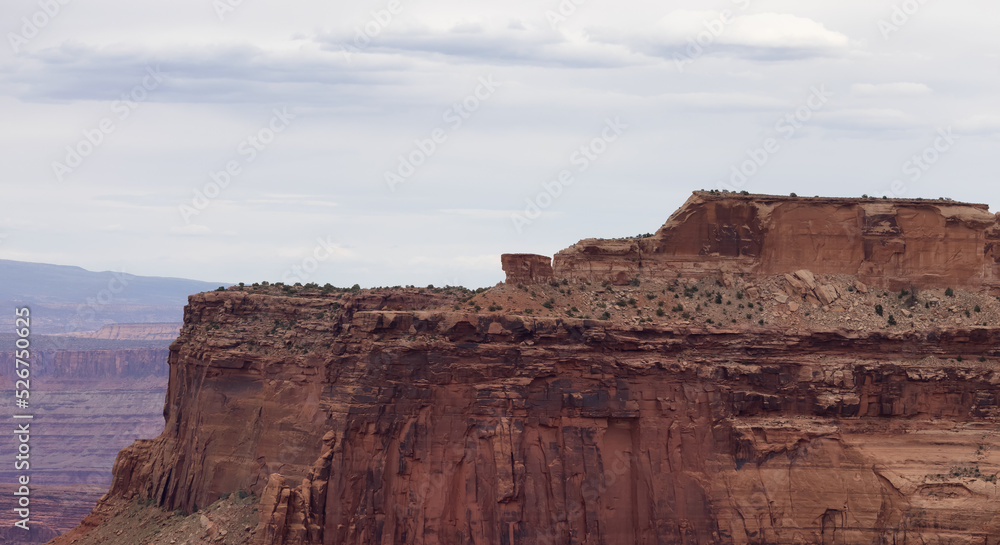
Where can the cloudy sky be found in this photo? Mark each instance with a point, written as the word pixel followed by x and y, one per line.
pixel 413 142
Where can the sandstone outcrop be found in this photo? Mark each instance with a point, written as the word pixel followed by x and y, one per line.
pixel 786 417
pixel 890 243
pixel 526 268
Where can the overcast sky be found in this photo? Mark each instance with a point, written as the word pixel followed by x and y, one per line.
pixel 387 143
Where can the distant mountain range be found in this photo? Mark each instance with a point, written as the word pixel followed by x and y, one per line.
pixel 65 299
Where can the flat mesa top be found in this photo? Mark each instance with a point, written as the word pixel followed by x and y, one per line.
pixel 761 197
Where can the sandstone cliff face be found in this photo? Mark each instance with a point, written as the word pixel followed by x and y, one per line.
pixel 360 425
pixel 789 412
pixel 889 243
pixel 527 268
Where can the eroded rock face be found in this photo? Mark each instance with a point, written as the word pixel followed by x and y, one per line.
pixel 526 268
pixel 393 416
pixel 889 243
pixel 359 424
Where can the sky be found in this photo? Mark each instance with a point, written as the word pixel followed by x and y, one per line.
pixel 414 142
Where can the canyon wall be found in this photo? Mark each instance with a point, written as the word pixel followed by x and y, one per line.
pixel 359 425
pixel 88 405
pixel 517 416
pixel 891 243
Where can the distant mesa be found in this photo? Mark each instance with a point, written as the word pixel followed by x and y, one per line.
pixel 133 332
pixel 891 243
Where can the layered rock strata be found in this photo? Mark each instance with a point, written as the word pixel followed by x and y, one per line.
pixel 892 243
pixel 87 405
pixel 360 424
pixel 414 416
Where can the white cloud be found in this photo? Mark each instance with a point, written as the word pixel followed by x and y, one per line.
pixel 480 213
pixel 979 124
pixel 486 42
pixel 357 113
pixel 719 101
pixel 783 31
pixel 902 88
pixel 191 229
pixel 867 119
pixel 760 36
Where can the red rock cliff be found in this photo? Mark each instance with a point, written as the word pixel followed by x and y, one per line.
pixel 892 243
pixel 398 416
pixel 376 426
